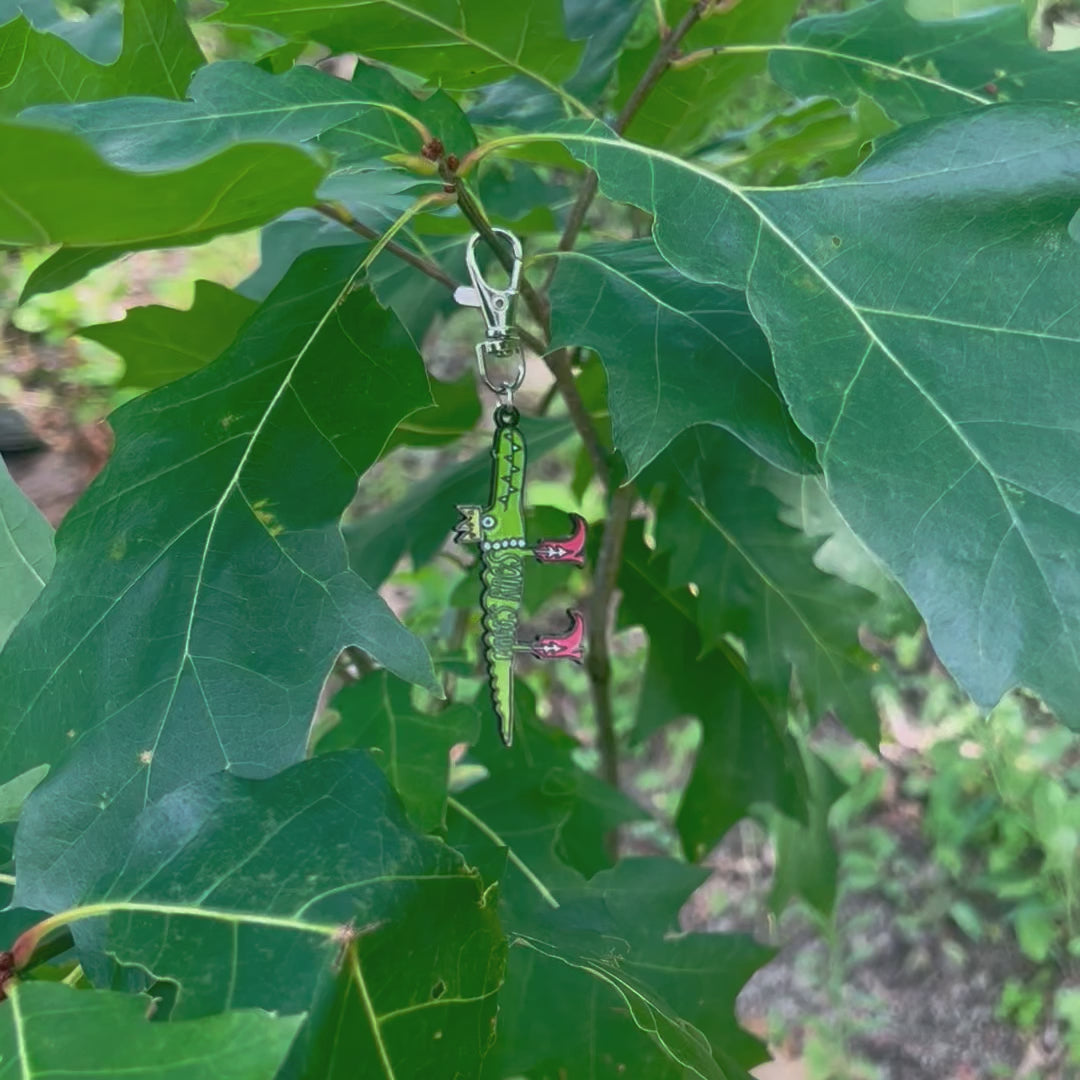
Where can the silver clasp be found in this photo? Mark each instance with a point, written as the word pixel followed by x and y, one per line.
pixel 496 306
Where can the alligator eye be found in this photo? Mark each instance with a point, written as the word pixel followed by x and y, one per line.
pixel 487 521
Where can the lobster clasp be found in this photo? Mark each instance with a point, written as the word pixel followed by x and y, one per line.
pixel 496 306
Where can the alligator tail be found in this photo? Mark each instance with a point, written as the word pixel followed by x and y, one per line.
pixel 503 587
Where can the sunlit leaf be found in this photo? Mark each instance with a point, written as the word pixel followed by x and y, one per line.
pixel 157 57
pixel 461 44
pixel 160 344
pixel 916 69
pixel 55 189
pixel 907 306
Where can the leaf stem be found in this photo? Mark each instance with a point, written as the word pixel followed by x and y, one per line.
pixel 7 879
pixel 338 213
pixel 27 942
pixel 512 855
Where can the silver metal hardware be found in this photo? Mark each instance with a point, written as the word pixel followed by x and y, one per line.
pixel 497 306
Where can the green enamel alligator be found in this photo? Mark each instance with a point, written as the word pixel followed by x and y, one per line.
pixel 499 529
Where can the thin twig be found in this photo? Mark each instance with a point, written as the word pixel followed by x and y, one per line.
pixel 343 217
pixel 668 49
pixel 598 659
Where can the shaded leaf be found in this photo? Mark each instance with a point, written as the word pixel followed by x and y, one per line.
pixel 746 756
pixel 809 140
pixel 677 353
pixel 157 57
pixel 539 773
pixel 411 747
pixel 916 69
pixel 806 861
pixel 26 553
pixel 757 579
pixel 936 280
pixel 687 102
pixel 419 524
pixel 459 45
pixel 603 25
pixel 260 894
pixel 159 344
pixel 592 984
pixel 46 1027
pixel 202 590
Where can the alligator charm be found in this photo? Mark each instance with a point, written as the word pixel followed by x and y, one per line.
pixel 499 530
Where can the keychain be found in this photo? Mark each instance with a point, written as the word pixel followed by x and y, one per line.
pixel 499 527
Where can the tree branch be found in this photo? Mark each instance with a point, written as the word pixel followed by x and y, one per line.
pixel 598 658
pixel 669 48
pixel 343 217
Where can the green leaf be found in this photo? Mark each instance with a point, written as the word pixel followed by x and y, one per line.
pixel 26 553
pixel 411 747
pixel 604 25
pixel 455 413
pixel 160 344
pixel 55 189
pixel 202 591
pixel 757 579
pixel 157 57
pixel 597 950
pixel 919 69
pixel 233 101
pixel 419 524
pixel 810 140
pixel 457 45
pixel 47 1027
pixel 261 893
pixel 15 792
pixel 746 756
pixel 676 354
pixel 932 298
pixel 540 773
pixel 808 508
pixel 687 102
pixel 234 104
pixel 806 861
